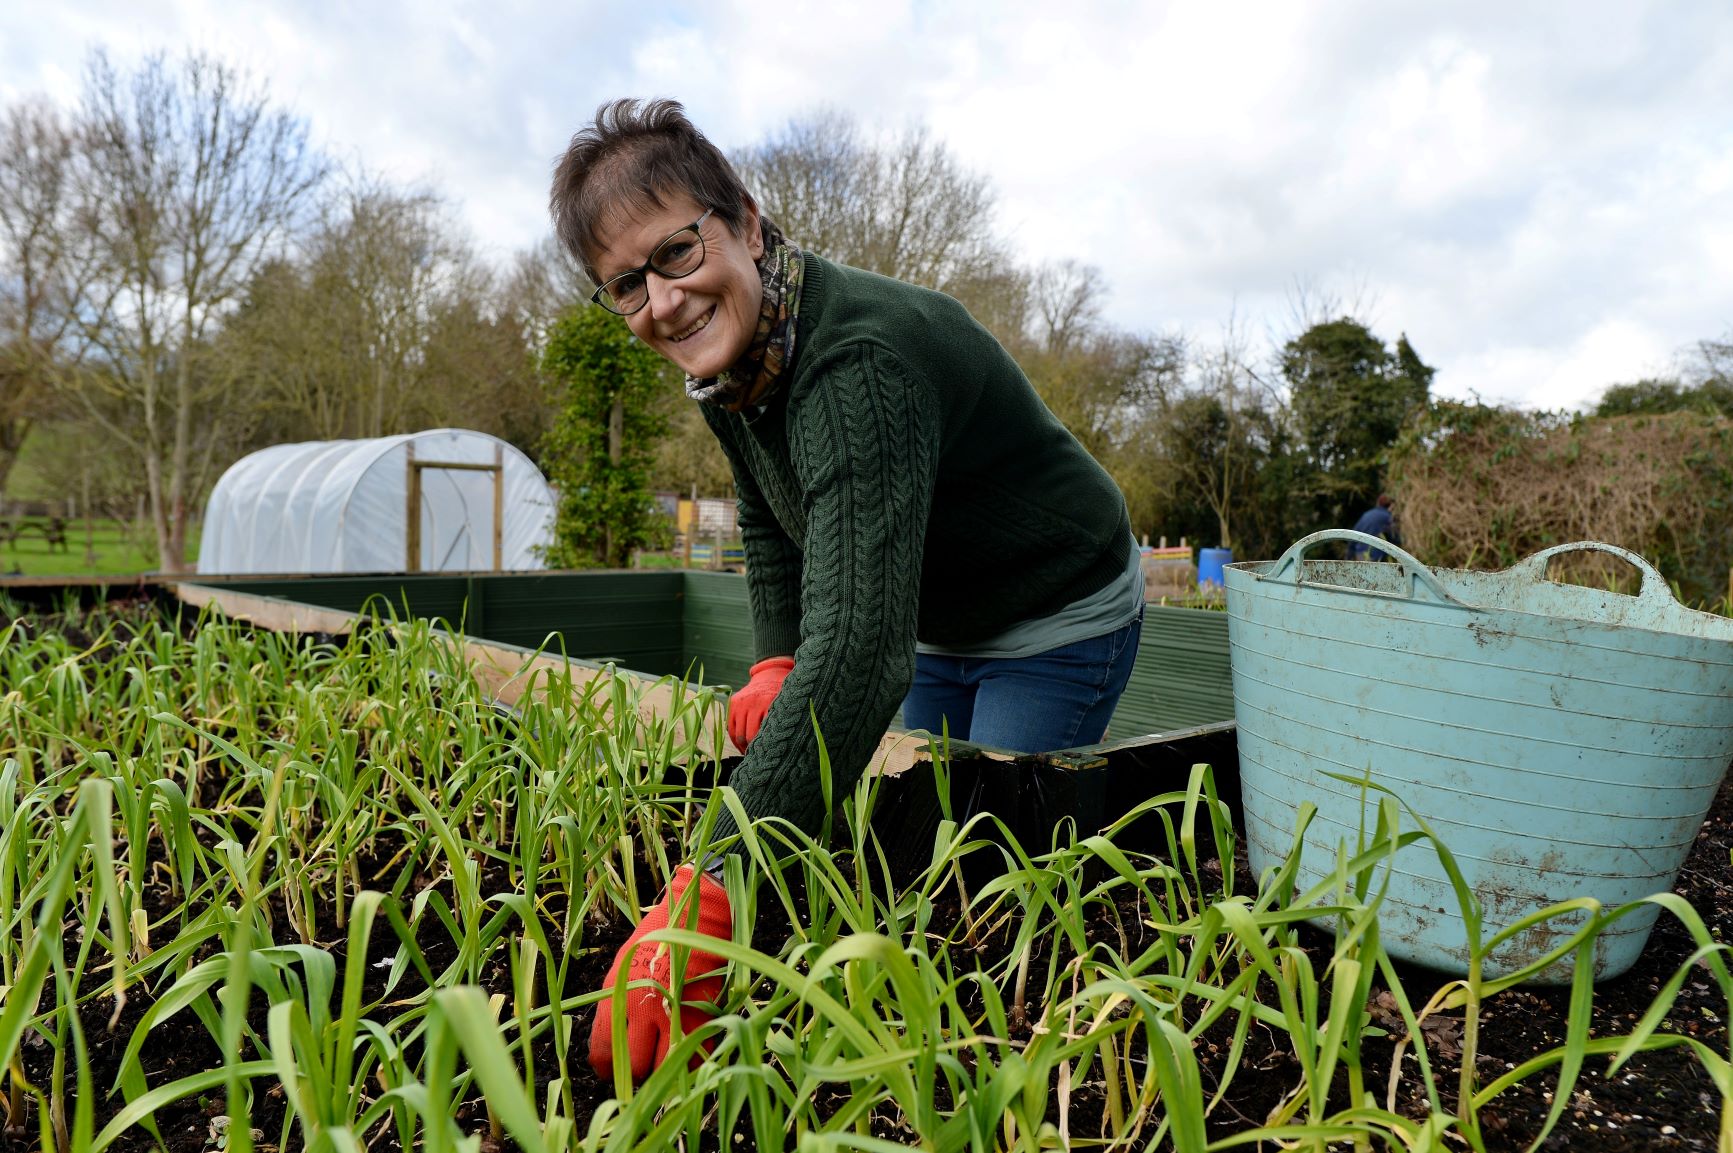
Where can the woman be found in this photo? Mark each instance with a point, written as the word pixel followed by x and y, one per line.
pixel 919 529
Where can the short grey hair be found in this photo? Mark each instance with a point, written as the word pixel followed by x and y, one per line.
pixel 632 156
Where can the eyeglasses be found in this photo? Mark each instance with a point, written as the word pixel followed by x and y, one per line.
pixel 679 255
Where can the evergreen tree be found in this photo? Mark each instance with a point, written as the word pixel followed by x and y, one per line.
pixel 603 443
pixel 1351 396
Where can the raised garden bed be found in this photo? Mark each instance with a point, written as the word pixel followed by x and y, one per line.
pixel 686 622
pixel 1023 983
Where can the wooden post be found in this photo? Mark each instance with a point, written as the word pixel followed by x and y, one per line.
pixel 89 527
pixel 498 507
pixel 412 533
pixel 412 515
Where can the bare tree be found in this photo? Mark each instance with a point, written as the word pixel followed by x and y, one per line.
pixel 934 217
pixel 689 459
pixel 1311 304
pixel 478 370
pixel 189 182
pixel 388 324
pixel 289 348
pixel 1100 382
pixel 1223 376
pixel 397 260
pixel 1067 304
pixel 814 179
pixel 541 283
pixel 902 206
pixel 45 266
pixel 1102 387
pixel 1714 362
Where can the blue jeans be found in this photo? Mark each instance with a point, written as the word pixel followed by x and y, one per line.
pixel 1058 699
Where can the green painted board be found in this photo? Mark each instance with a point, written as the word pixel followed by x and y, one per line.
pixel 1180 680
pixel 1181 677
pixel 427 596
pixel 632 619
pixel 717 626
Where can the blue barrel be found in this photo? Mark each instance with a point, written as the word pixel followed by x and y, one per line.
pixel 1562 741
pixel 1210 563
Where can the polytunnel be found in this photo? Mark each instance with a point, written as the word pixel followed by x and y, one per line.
pixel 445 500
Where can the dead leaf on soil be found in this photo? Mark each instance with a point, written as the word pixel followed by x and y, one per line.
pixel 1441 1034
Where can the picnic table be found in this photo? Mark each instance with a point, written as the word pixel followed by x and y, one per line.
pixel 52 530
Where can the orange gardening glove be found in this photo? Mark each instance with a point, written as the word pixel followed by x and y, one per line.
pixel 648 1028
pixel 748 706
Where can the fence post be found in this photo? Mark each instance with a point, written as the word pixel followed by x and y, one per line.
pixel 89 528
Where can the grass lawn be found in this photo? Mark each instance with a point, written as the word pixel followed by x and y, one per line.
pixel 103 549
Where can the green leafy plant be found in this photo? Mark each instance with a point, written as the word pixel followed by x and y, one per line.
pixel 613 395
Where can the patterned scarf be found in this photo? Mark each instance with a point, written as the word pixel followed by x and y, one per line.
pixel 757 375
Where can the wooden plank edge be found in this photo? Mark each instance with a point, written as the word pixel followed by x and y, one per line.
pixel 140 581
pixel 273 613
pixel 1144 740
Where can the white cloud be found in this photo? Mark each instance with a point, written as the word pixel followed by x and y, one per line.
pixel 1542 198
pixel 1612 350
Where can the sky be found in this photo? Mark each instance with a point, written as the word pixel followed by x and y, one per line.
pixel 1539 195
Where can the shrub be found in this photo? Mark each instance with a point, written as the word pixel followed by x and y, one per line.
pixel 1481 486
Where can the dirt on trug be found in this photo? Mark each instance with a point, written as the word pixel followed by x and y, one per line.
pixel 1659 1100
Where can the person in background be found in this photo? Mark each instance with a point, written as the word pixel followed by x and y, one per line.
pixel 919 529
pixel 1375 521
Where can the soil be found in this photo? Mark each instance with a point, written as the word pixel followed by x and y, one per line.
pixel 1660 1101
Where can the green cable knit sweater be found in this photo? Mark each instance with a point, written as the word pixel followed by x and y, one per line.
pixel 906 482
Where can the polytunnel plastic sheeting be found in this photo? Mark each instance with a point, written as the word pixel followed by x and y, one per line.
pixel 341 506
pixel 228 528
pixel 339 503
pixel 271 540
pixel 297 532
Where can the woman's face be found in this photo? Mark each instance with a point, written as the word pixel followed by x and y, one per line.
pixel 703 322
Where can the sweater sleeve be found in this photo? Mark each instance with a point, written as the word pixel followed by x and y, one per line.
pixel 773 561
pixel 865 447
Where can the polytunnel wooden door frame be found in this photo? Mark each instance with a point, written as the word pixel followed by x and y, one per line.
pixel 412 506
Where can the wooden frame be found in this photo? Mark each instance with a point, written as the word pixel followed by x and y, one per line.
pixel 412 505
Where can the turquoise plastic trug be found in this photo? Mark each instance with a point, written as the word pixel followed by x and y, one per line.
pixel 1562 741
